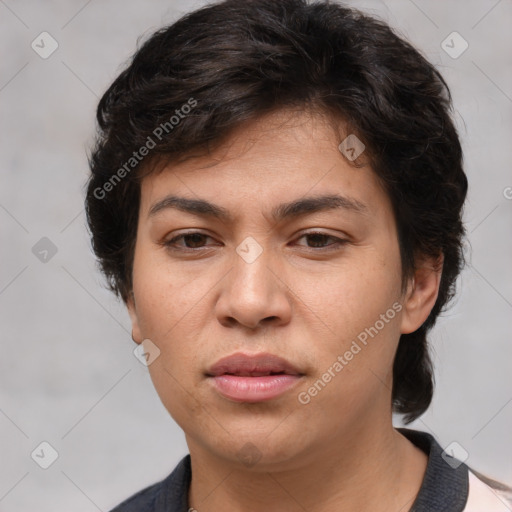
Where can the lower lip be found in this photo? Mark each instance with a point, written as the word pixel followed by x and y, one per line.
pixel 253 389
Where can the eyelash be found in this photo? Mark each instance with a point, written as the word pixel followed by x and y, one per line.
pixel 339 242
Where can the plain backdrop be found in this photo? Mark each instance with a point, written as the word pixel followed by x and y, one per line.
pixel 68 375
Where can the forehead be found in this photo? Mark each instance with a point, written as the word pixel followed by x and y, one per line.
pixel 278 157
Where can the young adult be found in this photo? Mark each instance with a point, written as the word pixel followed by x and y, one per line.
pixel 276 195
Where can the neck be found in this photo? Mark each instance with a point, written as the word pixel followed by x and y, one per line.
pixel 371 469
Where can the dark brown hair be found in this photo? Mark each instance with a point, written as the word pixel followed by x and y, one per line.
pixel 192 84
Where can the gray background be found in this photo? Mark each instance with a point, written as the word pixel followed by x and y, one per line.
pixel 68 375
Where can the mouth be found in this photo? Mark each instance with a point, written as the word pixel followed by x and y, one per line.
pixel 253 378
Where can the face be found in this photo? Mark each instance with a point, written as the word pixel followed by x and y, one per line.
pixel 317 285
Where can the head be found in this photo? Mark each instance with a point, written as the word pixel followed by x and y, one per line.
pixel 244 105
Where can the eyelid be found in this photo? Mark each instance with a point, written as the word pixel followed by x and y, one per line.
pixel 168 242
pixel 338 241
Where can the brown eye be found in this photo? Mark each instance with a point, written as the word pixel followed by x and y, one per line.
pixel 193 240
pixel 318 240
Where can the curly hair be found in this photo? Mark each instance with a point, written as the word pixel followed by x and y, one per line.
pixel 195 82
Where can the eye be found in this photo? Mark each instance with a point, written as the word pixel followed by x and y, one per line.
pixel 193 240
pixel 318 240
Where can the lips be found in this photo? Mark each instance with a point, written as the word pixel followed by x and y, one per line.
pixel 253 378
pixel 258 365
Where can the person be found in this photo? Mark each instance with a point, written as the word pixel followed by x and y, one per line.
pixel 276 194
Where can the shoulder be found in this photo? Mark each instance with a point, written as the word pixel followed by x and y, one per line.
pixel 449 485
pixel 482 496
pixel 168 495
pixel 143 501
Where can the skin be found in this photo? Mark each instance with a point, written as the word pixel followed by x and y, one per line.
pixel 296 300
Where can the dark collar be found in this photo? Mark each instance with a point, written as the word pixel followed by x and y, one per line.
pixel 444 488
pixel 174 497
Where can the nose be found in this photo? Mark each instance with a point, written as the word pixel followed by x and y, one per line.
pixel 254 294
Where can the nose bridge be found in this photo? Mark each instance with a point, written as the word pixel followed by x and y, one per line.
pixel 251 275
pixel 252 292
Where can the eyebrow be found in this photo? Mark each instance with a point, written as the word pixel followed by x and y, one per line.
pixel 293 209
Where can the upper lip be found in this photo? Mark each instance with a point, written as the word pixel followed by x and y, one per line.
pixel 254 365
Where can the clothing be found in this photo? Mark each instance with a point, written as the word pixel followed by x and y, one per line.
pixel 447 486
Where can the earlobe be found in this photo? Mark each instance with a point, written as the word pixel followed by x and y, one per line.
pixel 132 311
pixel 421 294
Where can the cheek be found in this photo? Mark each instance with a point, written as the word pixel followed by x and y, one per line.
pixel 359 308
pixel 163 295
pixel 170 313
pixel 351 297
pixel 175 392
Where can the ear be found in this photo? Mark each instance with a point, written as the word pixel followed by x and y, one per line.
pixel 421 293
pixel 132 311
